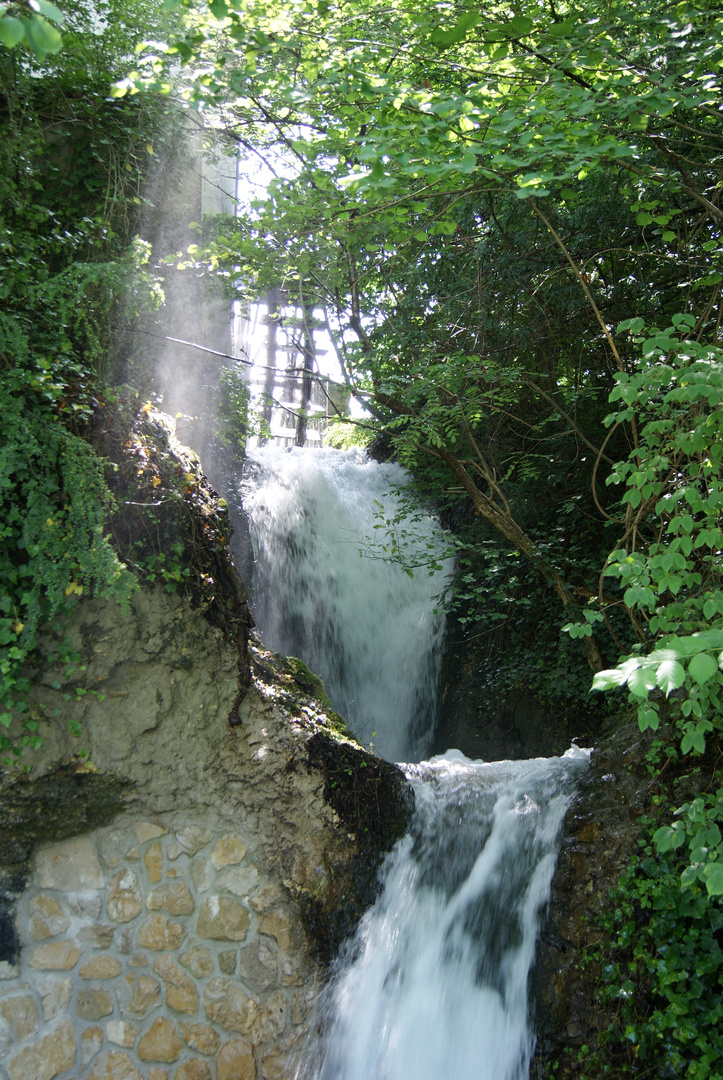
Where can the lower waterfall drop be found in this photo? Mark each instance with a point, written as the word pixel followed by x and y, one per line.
pixel 434 984
pixel 373 633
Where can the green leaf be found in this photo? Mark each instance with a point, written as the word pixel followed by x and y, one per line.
pixel 669 837
pixel 702 667
pixel 50 11
pixel 641 681
pixel 670 675
pixel 521 25
pixel 648 718
pixel 606 680
pixel 12 31
pixel 42 37
pixel 713 875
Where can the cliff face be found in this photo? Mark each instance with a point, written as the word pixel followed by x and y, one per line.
pixel 157 891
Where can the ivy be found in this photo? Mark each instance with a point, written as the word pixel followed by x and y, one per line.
pixel 662 959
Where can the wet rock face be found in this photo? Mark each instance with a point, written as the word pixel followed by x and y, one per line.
pixel 154 892
pixel 497 726
pixel 600 836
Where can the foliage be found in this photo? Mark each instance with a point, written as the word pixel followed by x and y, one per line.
pixel 236 419
pixel 669 566
pixel 438 185
pixel 71 274
pixel 52 542
pixel 344 435
pixel 663 959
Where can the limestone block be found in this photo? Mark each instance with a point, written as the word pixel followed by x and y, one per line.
pixel 90 1043
pixel 114 845
pixel 56 955
pixel 47 918
pixel 200 1037
pixel 277 924
pixel 114 1066
pixel 156 1073
pixel 241 880
pixel 146 830
pixel 54 993
pixel 275 1066
pixel 98 936
pixel 266 897
pixel 181 992
pixel 71 866
pixel 21 1013
pixel 121 1032
pixel 92 1003
pixel 48 1056
pixel 124 897
pixel 227 1004
pixel 198 961
pixel 201 873
pixel 6 1041
pixel 227 961
pixel 8 970
pixel 222 918
pixel 195 1069
pixel 158 933
pixel 153 859
pixel 228 850
pixel 145 991
pixel 191 839
pixel 259 966
pixel 290 966
pixel 174 898
pixel 100 967
pixel 267 1022
pixel 84 906
pixel 236 1061
pixel 302 1002
pixel 161 1042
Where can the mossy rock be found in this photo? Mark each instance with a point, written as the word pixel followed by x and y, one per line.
pixel 374 802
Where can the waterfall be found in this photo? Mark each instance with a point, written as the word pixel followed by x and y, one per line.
pixel 434 985
pixel 371 631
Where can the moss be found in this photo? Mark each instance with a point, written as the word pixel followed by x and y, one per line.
pixel 374 802
pixel 71 799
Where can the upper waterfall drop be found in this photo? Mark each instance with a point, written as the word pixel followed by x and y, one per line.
pixel 372 632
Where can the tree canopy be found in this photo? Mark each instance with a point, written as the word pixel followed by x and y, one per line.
pixel 478 199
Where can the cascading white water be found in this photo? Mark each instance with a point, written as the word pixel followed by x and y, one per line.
pixel 434 986
pixel 371 632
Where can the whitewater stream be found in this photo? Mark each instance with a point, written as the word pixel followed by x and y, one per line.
pixel 434 984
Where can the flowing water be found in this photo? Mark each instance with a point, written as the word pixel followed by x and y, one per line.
pixel 372 632
pixel 434 984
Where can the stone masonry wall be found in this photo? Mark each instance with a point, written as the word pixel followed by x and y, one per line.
pixel 165 941
pixel 153 952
